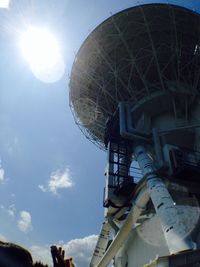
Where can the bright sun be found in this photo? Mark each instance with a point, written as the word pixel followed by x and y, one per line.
pixel 41 50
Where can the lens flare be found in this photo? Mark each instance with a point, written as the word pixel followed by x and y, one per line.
pixel 42 52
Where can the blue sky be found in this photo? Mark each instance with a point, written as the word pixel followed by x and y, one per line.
pixel 51 176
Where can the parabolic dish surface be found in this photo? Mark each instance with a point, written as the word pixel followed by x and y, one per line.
pixel 130 56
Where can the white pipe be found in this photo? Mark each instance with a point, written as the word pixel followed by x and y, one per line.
pixel 173 227
pixel 123 233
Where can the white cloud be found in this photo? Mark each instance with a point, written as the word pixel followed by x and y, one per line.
pixel 2 174
pixel 80 250
pixel 42 188
pixel 42 254
pixel 24 223
pixel 3 238
pixel 11 210
pixel 58 180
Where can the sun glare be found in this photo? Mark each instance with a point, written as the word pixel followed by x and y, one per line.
pixel 41 50
pixel 4 3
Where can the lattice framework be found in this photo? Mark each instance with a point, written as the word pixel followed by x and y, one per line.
pixel 129 57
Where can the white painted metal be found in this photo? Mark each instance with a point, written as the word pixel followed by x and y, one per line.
pixel 126 228
pixel 174 229
pixel 146 242
pixel 102 244
pixel 139 250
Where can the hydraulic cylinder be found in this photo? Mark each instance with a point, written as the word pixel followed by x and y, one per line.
pixel 176 235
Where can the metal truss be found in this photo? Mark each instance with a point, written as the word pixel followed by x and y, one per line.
pixel 132 55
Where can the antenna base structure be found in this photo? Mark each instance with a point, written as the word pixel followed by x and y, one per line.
pixel 134 91
pixel 123 138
